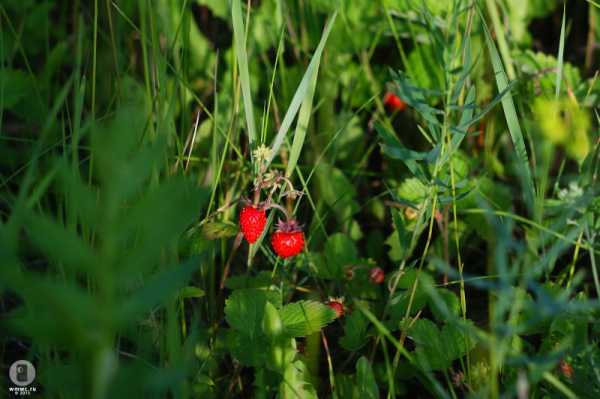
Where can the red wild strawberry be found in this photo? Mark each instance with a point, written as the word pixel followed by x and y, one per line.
pixel 566 369
pixel 252 222
pixel 337 305
pixel 393 102
pixel 376 275
pixel 288 240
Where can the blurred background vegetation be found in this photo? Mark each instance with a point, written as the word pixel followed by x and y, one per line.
pixel 124 148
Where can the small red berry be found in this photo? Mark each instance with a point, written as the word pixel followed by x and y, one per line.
pixel 566 369
pixel 337 306
pixel 252 222
pixel 377 275
pixel 288 240
pixel 393 102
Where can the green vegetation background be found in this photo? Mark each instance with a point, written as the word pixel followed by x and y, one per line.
pixel 128 135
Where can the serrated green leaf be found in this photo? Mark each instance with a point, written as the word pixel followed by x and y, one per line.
pixel 355 332
pixel 451 302
pixel 412 190
pixel 305 317
pixel 295 383
pixel 435 349
pixel 365 380
pixel 245 309
pixel 250 351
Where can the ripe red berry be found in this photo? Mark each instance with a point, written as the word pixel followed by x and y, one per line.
pixel 252 222
pixel 566 369
pixel 393 102
pixel 337 306
pixel 377 275
pixel 287 245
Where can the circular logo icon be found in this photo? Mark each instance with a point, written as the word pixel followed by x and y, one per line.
pixel 22 373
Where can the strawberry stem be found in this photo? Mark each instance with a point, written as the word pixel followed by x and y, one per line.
pixel 279 208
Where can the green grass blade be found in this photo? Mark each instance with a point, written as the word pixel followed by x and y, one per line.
pixel 512 120
pixel 302 124
pixel 242 59
pixel 561 51
pixel 499 30
pixel 301 93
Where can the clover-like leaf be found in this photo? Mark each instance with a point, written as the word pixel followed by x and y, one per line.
pixel 305 317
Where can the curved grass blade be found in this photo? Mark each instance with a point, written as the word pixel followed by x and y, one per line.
pixel 512 120
pixel 242 59
pixel 561 51
pixel 302 92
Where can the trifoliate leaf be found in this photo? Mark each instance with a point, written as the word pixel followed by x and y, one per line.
pixel 244 311
pixel 305 317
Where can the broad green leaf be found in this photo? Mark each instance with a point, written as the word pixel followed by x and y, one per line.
pixel 412 191
pixel 430 351
pixel 245 309
pixel 451 302
pixel 295 384
pixel 365 380
pixel 250 351
pixel 272 325
pixel 305 317
pixel 456 342
pixel 399 304
pixel 435 349
pixel 355 332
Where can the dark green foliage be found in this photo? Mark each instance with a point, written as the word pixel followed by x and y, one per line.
pixel 131 132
